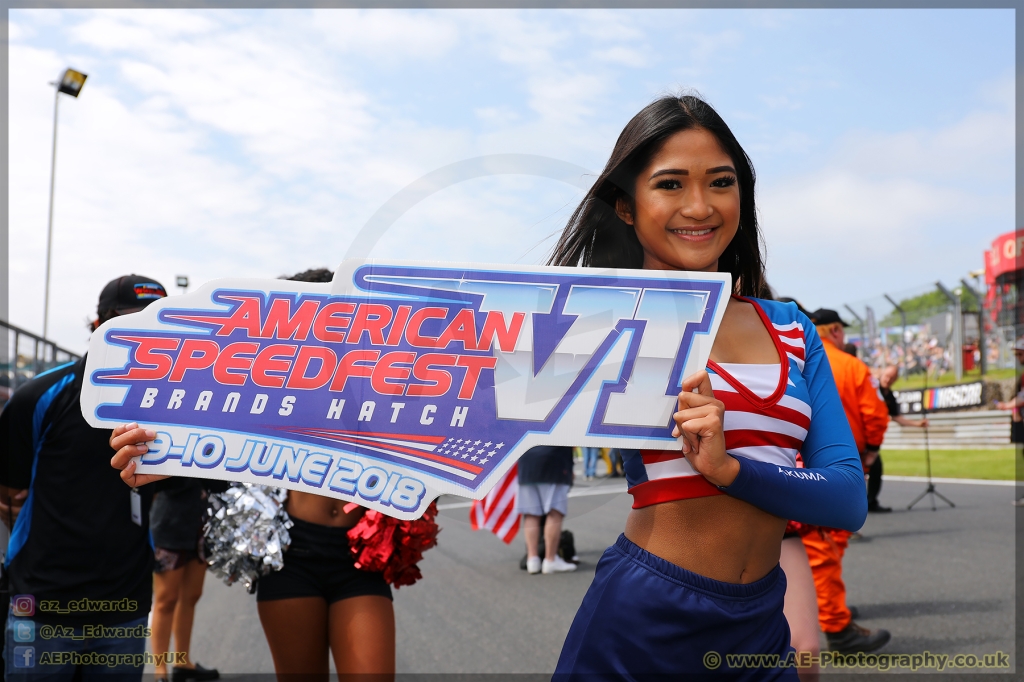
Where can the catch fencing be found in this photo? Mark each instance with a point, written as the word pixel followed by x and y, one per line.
pixel 25 356
pixel 934 329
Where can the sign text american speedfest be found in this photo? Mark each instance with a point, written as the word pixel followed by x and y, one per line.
pixel 401 381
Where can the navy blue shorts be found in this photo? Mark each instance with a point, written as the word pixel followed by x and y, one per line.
pixel 644 618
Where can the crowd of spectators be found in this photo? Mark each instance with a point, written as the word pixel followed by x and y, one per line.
pixel 924 353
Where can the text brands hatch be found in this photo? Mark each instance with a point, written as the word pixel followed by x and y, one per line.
pixel 397 382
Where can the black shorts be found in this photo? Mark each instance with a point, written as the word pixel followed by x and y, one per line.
pixel 318 564
pixel 165 560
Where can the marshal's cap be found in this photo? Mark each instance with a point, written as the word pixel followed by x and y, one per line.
pixel 129 293
pixel 823 316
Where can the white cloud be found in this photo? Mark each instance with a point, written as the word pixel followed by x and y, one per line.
pixel 393 35
pixel 516 39
pixel 218 143
pixel 889 211
pixel 625 56
pixel 566 97
pixel 17 31
pixel 781 102
pixel 498 116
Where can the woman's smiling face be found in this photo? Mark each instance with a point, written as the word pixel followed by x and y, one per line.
pixel 687 204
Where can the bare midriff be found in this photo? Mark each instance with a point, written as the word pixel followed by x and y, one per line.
pixel 326 511
pixel 718 537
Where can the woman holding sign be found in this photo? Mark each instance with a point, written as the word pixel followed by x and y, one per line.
pixel 695 576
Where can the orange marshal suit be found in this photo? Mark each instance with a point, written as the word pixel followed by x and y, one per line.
pixel 869 418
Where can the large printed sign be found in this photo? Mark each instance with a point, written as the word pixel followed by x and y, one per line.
pixel 401 381
pixel 957 397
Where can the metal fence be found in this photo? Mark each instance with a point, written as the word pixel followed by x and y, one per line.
pixel 948 330
pixel 25 356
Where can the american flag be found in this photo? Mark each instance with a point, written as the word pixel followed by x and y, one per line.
pixel 497 512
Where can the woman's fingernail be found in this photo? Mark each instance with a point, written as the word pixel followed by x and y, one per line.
pixel 143 447
pixel 686 446
pixel 133 425
pixel 150 434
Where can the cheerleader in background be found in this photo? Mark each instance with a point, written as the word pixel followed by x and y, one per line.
pixel 319 603
pixel 320 600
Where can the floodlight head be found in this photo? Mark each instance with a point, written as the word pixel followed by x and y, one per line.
pixel 71 82
pixel 183 281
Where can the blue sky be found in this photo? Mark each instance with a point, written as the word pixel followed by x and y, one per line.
pixel 221 143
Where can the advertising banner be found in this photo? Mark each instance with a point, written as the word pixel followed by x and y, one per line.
pixel 398 382
pixel 957 397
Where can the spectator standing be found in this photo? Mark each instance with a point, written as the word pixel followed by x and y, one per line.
pixel 545 476
pixel 78 531
pixel 1015 404
pixel 590 456
pixel 885 381
pixel 868 418
pixel 615 466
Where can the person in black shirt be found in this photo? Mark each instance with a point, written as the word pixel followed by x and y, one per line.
pixel 885 382
pixel 79 556
pixel 545 476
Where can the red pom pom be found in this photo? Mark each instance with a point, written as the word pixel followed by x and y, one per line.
pixel 386 545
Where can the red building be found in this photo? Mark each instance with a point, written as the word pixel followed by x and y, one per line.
pixel 1004 277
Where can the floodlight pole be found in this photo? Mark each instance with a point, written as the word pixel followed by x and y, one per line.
pixel 860 323
pixel 903 321
pixel 49 225
pixel 958 342
pixel 70 84
pixel 983 363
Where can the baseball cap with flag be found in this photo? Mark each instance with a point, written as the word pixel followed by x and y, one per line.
pixel 129 293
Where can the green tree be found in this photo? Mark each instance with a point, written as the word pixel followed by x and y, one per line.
pixel 919 308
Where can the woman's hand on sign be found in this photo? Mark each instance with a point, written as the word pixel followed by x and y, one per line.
pixel 699 423
pixel 129 442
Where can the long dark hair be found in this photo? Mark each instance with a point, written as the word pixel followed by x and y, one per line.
pixel 596 237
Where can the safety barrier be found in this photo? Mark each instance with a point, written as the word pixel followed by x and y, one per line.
pixel 953 430
pixel 26 355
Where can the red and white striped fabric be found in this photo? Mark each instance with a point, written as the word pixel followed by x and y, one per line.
pixel 766 420
pixel 760 424
pixel 497 512
pixel 792 337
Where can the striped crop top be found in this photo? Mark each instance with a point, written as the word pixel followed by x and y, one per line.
pixel 772 412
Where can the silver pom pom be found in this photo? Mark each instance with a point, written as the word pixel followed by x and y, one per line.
pixel 247 533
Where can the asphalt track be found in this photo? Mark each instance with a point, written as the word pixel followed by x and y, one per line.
pixel 940 581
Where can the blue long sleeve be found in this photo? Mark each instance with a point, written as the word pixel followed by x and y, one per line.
pixel 829 491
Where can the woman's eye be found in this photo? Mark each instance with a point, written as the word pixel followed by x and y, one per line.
pixel 724 181
pixel 669 184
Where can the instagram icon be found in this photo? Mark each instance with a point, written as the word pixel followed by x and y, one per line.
pixel 23 605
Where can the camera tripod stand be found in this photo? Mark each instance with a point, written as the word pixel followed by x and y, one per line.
pixel 930 490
